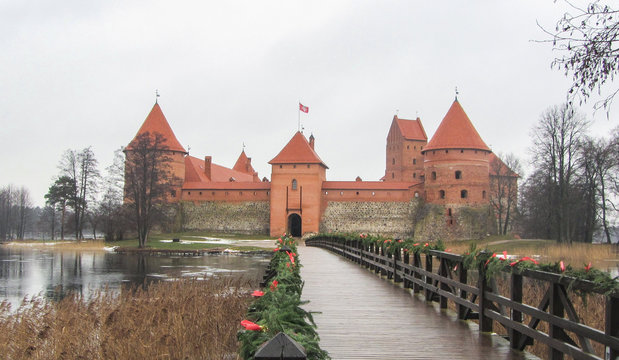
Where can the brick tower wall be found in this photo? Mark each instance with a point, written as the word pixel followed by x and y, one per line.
pixel 440 168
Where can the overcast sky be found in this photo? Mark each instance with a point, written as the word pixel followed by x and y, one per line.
pixel 77 73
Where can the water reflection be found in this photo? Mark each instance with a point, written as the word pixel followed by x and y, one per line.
pixel 53 273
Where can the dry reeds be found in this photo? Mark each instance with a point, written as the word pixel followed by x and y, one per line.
pixel 184 319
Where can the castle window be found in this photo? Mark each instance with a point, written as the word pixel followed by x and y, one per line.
pixel 441 194
pixel 200 192
pixel 446 151
pixel 254 193
pixel 267 193
pixel 188 192
pixel 308 166
pixel 213 193
pixel 294 184
pixel 415 147
pixel 408 147
pixel 357 193
pixel 464 194
pixel 373 193
pixel 326 193
pixel 294 166
pixel 414 161
pixel 422 148
pixel 173 193
pixel 341 193
pixel 483 194
pixel 393 161
pixel 414 175
pixel 433 175
pixel 393 175
pixel 240 193
pixel 458 174
pixel 280 166
pixel 416 194
pixel 449 212
pixel 461 151
pixel 226 193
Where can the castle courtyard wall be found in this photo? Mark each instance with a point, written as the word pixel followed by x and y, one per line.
pixel 386 218
pixel 248 217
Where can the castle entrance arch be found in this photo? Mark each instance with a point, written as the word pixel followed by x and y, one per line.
pixel 294 225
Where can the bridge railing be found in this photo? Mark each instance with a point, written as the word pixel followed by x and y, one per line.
pixel 442 277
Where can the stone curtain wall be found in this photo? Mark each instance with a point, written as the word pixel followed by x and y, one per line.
pixel 386 218
pixel 249 217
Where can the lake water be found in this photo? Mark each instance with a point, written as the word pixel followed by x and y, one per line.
pixel 52 273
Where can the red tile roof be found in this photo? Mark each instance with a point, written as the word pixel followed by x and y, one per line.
pixel 411 129
pixel 366 185
pixel 456 132
pixel 497 164
pixel 194 172
pixel 243 164
pixel 156 123
pixel 227 185
pixel 297 151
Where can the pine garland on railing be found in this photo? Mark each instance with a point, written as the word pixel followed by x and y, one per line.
pixel 278 307
pixel 493 263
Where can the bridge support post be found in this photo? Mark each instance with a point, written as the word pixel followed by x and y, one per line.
pixel 416 265
pixel 557 309
pixel 443 271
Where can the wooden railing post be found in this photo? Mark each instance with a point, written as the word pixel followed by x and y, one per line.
pixel 417 265
pixel 444 272
pixel 462 310
pixel 429 293
pixel 485 323
pixel 612 324
pixel 515 295
pixel 406 260
pixel 557 309
pixel 397 256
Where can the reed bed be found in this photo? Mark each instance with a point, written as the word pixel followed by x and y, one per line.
pixel 184 319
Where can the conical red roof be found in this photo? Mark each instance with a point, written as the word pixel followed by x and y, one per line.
pixel 156 123
pixel 297 151
pixel 243 164
pixel 456 132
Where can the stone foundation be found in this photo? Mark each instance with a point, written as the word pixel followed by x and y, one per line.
pixel 250 217
pixel 385 218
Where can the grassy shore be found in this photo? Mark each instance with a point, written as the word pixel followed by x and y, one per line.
pixel 185 319
pixel 601 256
pixel 163 241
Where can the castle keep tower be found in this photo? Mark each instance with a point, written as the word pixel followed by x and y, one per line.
pixel 297 174
pixel 156 123
pixel 456 163
pixel 405 141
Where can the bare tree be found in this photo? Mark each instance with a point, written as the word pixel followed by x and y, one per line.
pixel 110 208
pixel 148 181
pixel 7 202
pixel 81 167
pixel 24 206
pixel 587 41
pixel 556 140
pixel 504 173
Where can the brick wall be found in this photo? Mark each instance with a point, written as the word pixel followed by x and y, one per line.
pixel 385 218
pixel 250 217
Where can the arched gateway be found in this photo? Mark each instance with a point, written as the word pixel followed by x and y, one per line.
pixel 294 225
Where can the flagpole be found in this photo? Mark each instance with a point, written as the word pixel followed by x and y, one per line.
pixel 299 115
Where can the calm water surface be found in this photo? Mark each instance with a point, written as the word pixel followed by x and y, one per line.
pixel 52 273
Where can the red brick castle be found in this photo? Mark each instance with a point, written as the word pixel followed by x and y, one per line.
pixel 452 170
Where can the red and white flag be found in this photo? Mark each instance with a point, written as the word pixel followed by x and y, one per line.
pixel 305 109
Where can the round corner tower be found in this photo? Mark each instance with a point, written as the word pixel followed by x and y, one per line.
pixel 156 124
pixel 456 163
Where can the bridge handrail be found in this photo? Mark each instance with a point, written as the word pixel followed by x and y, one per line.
pixel 443 283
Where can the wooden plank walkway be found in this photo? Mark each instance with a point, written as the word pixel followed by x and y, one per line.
pixel 366 317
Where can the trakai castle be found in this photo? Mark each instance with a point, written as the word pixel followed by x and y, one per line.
pixel 452 170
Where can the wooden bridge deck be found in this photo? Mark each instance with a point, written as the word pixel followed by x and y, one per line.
pixel 365 317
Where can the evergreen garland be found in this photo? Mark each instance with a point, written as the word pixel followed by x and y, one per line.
pixel 279 309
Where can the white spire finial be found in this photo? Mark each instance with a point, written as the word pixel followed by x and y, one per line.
pixel 156 95
pixel 457 93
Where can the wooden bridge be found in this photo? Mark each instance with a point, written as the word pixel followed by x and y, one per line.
pixel 362 316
